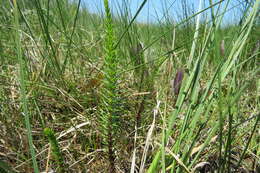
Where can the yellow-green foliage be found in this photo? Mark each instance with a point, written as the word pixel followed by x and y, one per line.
pixel 109 107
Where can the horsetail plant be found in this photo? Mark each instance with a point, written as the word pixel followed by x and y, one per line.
pixel 109 107
pixel 55 149
pixel 23 88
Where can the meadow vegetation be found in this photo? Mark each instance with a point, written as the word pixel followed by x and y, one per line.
pixel 82 92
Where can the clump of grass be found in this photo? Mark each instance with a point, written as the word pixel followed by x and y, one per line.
pixel 55 150
pixel 191 105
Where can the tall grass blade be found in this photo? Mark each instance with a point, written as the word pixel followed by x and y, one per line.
pixel 23 89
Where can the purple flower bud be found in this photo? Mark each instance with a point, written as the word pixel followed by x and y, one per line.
pixel 176 84
pixel 222 48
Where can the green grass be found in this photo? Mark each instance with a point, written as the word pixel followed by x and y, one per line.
pixel 104 84
pixel 23 89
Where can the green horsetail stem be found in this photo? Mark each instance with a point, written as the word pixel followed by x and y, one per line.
pixel 55 149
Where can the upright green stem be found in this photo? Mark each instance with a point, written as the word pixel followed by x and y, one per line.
pixel 23 92
pixel 56 152
pixel 109 117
